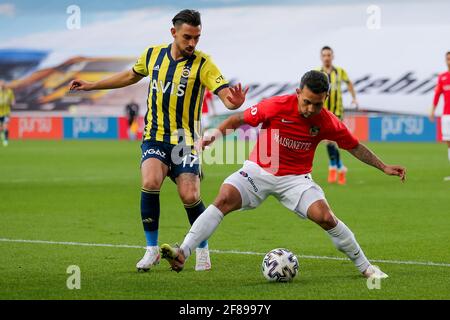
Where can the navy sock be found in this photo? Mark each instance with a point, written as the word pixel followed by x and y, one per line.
pixel 338 159
pixel 150 215
pixel 332 154
pixel 6 135
pixel 194 211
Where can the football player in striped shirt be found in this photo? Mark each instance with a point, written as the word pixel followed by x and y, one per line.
pixel 179 75
pixel 336 75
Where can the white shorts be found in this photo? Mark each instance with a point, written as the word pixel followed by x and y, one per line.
pixel 445 127
pixel 295 192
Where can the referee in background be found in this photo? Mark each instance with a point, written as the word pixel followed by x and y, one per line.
pixel 336 75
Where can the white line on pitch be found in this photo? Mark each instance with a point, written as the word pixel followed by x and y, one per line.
pixel 84 244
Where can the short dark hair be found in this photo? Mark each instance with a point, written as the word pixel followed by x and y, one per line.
pixel 191 17
pixel 448 52
pixel 316 81
pixel 326 48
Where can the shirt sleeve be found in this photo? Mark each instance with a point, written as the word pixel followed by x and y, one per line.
pixel 341 135
pixel 344 76
pixel 140 67
pixel 258 114
pixel 12 98
pixel 212 78
pixel 437 93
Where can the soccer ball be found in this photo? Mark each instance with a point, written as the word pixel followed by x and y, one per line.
pixel 280 265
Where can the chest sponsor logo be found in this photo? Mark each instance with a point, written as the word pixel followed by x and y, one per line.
pixel 287 121
pixel 291 143
pixel 172 87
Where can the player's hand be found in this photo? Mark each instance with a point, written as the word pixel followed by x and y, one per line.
pixel 431 116
pixel 237 95
pixel 396 171
pixel 81 85
pixel 355 103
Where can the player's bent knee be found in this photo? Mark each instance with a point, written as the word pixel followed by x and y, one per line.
pixel 228 200
pixel 320 213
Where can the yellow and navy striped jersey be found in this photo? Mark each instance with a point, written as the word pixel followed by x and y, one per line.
pixel 175 95
pixel 334 101
pixel 6 100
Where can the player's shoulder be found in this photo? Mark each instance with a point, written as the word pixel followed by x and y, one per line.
pixel 444 75
pixel 279 104
pixel 156 46
pixel 203 55
pixel 338 68
pixel 328 118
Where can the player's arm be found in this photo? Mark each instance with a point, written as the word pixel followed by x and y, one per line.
pixel 352 91
pixel 119 80
pixel 350 87
pixel 437 94
pixel 226 127
pixel 364 154
pixel 233 97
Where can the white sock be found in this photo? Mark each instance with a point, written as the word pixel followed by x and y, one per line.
pixel 345 241
pixel 202 229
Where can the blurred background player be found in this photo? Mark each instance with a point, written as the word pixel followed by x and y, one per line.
pixel 7 100
pixel 336 75
pixel 178 75
pixel 208 109
pixel 132 112
pixel 443 87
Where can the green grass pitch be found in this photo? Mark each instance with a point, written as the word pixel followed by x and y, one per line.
pixel 88 192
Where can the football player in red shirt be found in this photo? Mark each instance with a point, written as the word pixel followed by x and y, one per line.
pixel 443 87
pixel 280 165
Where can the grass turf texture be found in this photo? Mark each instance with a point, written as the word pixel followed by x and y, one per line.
pixel 88 191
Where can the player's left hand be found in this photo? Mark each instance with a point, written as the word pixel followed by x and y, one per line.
pixel 237 95
pixel 396 171
pixel 355 103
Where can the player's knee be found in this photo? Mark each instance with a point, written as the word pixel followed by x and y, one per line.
pixel 151 184
pixel 189 196
pixel 327 220
pixel 226 202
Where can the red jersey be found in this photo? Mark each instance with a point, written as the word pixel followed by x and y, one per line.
pixel 443 87
pixel 287 141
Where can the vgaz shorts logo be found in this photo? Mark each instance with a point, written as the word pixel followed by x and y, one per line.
pixel 252 183
pixel 152 151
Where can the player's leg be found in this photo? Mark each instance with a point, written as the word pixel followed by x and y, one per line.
pixel 246 189
pixel 318 210
pixel 6 131
pixel 2 133
pixel 332 168
pixel 228 200
pixel 188 185
pixel 154 169
pixel 448 150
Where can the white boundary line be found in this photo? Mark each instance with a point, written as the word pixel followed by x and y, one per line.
pixel 126 246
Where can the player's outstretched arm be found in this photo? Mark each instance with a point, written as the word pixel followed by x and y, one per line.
pixel 228 126
pixel 119 80
pixel 233 97
pixel 364 154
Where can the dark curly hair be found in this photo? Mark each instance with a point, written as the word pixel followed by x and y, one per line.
pixel 316 81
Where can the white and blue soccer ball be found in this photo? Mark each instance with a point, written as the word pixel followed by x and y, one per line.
pixel 280 265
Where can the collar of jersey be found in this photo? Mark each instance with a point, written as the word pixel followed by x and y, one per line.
pixel 177 61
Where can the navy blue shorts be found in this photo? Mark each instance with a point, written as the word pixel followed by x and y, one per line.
pixel 180 159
